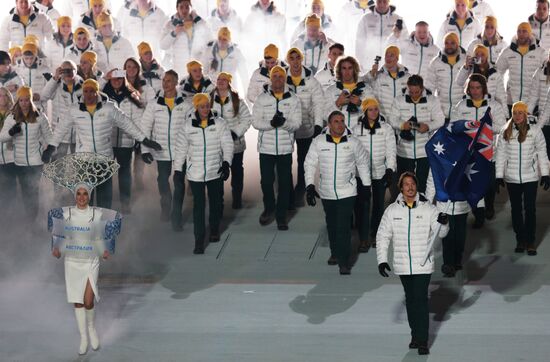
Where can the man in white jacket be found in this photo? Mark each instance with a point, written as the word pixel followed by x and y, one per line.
pixel 260 77
pixel 540 23
pixel 276 115
pixel 339 158
pixel 112 49
pixel 326 76
pixel 409 223
pixel 313 43
pixel 93 120
pixel 23 20
pixel 373 30
pixel 205 145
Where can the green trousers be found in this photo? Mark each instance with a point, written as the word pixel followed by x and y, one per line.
pixel 283 165
pixel 416 300
pixel 337 216
pixel 215 199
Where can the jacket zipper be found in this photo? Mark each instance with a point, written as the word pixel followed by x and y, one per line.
pixel 409 241
pixel 335 164
pixel 204 152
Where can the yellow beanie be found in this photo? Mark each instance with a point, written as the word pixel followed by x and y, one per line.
pixel 23 91
pixel 481 48
pixel 200 99
pixel 277 70
pixel 313 20
pixel 91 83
pixel 452 36
pixel 104 19
pixel 294 50
pixel 143 48
pixel 225 75
pixel 29 47
pixel 271 51
pixel 520 107
pixel 31 38
pixel 224 33
pixel 14 50
pixel 64 20
pixel 194 64
pixel 369 102
pixel 82 30
pixel 392 49
pixel 96 2
pixel 525 26
pixel 89 56
pixel 491 20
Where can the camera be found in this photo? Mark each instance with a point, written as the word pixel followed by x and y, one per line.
pixel 118 74
pixel 178 22
pixel 377 59
pixel 477 60
pixel 67 71
pixel 399 24
pixel 413 121
pixel 346 92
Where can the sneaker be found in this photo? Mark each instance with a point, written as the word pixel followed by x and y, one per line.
pixel 267 218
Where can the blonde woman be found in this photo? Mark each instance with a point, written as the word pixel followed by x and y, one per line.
pixel 29 130
pixel 7 166
pixel 521 161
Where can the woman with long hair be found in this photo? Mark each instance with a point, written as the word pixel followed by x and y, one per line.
pixel 29 130
pixel 7 166
pixel 120 91
pixel 490 38
pixel 521 161
pixel 59 48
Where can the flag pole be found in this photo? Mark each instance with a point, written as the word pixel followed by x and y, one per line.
pixel 431 243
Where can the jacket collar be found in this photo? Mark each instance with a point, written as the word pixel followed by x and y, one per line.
pixel 16 18
pixel 453 16
pixel 101 98
pixel 344 137
pixel 470 102
pixel 286 92
pixel 445 58
pixel 420 198
pixel 196 119
pixel 180 98
pixel 188 85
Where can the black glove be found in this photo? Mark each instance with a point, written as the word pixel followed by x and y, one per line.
pixel 179 177
pixel 278 120
pixel 382 267
pixel 366 191
pixel 224 171
pixel 500 183
pixel 317 130
pixel 147 158
pixel 406 135
pixel 388 177
pixel 414 122
pixel 137 147
pixel 15 129
pixel 545 182
pixel 151 144
pixel 47 154
pixel 234 136
pixel 443 218
pixel 311 194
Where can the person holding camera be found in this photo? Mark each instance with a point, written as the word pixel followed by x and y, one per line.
pixel 489 38
pixel 204 143
pixel 378 138
pixel 408 224
pixel 521 161
pixel 276 114
pixel 462 22
pixel 415 115
pixel 340 157
pixel 348 92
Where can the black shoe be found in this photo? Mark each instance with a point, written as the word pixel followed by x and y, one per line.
pixel 448 271
pixel 345 270
pixel 291 207
pixel 282 226
pixel 364 247
pixel 266 218
pixel 199 247
pixel 520 248
pixel 531 251
pixel 413 344
pixel 373 245
pixel 332 260
pixel 214 238
pixel 423 349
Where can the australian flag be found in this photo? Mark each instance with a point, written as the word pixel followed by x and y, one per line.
pixel 460 157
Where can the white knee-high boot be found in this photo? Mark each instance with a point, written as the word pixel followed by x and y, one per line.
pixel 94 340
pixel 81 322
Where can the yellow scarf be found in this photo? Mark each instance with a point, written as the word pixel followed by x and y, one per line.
pixel 523 49
pixel 24 19
pixel 108 42
pixel 279 96
pixel 91 108
pixel 296 80
pixel 170 102
pixel 451 59
pixel 477 104
pixel 350 86
pixel 461 23
pixel 336 139
pixel 204 123
pixel 222 53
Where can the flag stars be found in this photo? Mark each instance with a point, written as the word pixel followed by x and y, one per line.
pixel 470 171
pixel 438 147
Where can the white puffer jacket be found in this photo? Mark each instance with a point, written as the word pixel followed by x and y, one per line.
pixel 347 21
pixel 338 164
pixel 188 90
pixel 52 13
pixel 520 68
pixel 115 56
pixel 539 88
pixel 234 63
pixel 544 114
pixel 312 101
pixel 495 83
pixel 131 110
pixel 276 141
pixel 386 88
pixel 494 50
pixel 94 132
pixel 6 149
pixel 372 31
pixel 180 49
pixel 427 110
pixel 62 101
pixel 75 53
pixel 472 27
pixel 410 230
pixel 326 76
pixel 79 7
pixel 327 27
pixel 137 29
pixel 238 122
pixel 260 77
pixel 57 52
pixel 481 10
pixel 363 91
pixel 315 53
pixel 456 208
pixel 28 144
pixel 204 149
pixel 163 126
pixel 87 21
pixel 36 77
pixel 465 110
pixel 520 163
pixel 233 22
pixel 380 146
pixel 154 76
pixel 541 31
pixel 13 32
pixel 414 56
pixel 442 81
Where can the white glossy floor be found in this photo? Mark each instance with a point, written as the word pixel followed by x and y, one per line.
pixel 261 295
